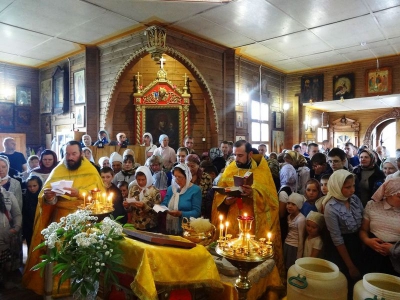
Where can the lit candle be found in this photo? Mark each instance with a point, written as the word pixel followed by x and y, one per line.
pixel 89 199
pixel 109 200
pixel 104 198
pixel 248 242
pixel 245 222
pixel 221 230
pixel 226 228
pixel 269 237
pixel 84 200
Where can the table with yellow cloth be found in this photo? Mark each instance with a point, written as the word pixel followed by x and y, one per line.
pixel 157 266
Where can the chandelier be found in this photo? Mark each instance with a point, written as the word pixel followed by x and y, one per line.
pixel 156 42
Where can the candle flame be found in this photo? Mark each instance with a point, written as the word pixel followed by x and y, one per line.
pixel 226 223
pixel 221 226
pixel 269 235
pixel 245 215
pixel 220 217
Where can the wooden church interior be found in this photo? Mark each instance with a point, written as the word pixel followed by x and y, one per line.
pixel 244 64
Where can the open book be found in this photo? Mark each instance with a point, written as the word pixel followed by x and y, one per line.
pixel 158 208
pixel 58 187
pixel 238 181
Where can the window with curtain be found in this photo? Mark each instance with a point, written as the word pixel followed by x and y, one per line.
pixel 259 124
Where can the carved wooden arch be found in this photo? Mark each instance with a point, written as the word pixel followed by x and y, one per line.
pixel 132 60
pixel 344 124
pixel 394 114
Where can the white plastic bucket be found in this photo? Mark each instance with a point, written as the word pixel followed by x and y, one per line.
pixel 377 286
pixel 315 278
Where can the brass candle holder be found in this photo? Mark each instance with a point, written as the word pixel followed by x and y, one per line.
pixel 244 252
pixel 98 209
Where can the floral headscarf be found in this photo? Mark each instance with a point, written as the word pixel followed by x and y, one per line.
pixel 388 188
pixel 298 159
pixel 373 159
pixel 335 184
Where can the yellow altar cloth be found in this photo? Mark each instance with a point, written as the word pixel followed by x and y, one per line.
pixel 160 266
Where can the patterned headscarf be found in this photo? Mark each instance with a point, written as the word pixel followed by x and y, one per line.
pixel 392 161
pixel 7 162
pixel 373 159
pixel 298 159
pixel 335 184
pixel 388 188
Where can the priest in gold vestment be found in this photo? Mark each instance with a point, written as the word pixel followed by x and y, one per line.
pixel 51 208
pixel 259 200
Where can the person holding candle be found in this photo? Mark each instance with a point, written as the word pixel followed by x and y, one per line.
pixel 52 207
pixel 112 191
pixel 142 215
pixel 183 199
pixel 258 200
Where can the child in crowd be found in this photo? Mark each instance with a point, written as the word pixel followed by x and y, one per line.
pixel 312 193
pixel 124 188
pixel 315 222
pixel 128 170
pixel 30 201
pixel 324 191
pixel 144 196
pixel 107 175
pixel 294 242
pixel 343 212
pixel 159 176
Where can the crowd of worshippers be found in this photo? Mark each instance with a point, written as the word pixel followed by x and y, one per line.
pixel 342 205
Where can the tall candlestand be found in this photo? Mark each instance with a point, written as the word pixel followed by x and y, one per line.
pixel 244 253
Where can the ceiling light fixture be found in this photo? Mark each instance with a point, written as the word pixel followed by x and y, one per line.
pixel 156 41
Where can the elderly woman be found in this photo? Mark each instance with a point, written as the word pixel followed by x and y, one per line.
pixel 200 178
pixel 86 141
pixel 380 227
pixel 369 176
pixel 299 162
pixel 148 143
pixel 9 184
pixel 389 166
pixel 104 161
pixel 47 162
pixel 160 179
pixel 183 199
pixel 167 153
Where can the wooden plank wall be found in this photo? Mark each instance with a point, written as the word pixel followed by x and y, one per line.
pixel 295 128
pixel 12 76
pixel 272 90
pixel 207 58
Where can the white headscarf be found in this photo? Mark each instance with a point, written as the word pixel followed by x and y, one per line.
pixel 173 223
pixel 6 161
pixel 91 154
pixel 102 159
pixel 335 184
pixel 149 180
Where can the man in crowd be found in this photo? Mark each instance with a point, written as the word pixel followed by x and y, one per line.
pixel 313 148
pixel 262 149
pixel 258 200
pixel 17 159
pixel 326 147
pixel 351 153
pixel 189 144
pixel 304 149
pixel 51 207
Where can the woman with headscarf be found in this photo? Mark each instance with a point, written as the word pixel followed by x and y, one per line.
pixel 86 140
pixel 380 227
pixel 142 197
pixel 343 215
pixel 87 152
pixel 33 187
pixel 369 176
pixel 47 162
pixel 11 221
pixel 200 178
pixel 104 139
pixel 166 152
pixel 183 199
pixel 104 161
pixel 10 184
pixel 299 162
pixel 288 181
pixel 148 143
pixel 389 166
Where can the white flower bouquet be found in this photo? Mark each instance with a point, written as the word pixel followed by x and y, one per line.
pixel 82 249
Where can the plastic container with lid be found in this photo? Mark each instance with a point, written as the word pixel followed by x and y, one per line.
pixel 377 286
pixel 315 278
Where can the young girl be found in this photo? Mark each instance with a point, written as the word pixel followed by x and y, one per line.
pixel 312 194
pixel 30 198
pixel 145 195
pixel 324 191
pixel 343 216
pixel 293 247
pixel 315 222
pixel 123 187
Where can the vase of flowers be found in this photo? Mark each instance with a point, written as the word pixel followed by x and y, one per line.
pixel 81 249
